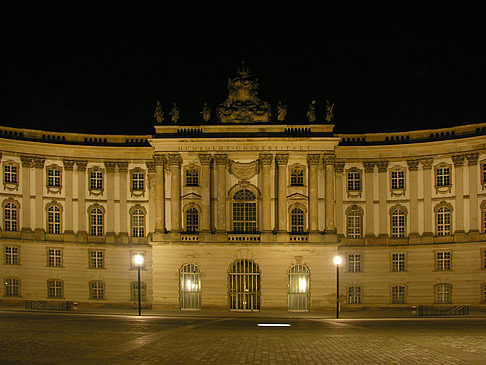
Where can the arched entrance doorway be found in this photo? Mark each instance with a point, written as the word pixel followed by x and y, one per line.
pixel 244 286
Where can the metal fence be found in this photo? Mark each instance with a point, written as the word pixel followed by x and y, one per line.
pixel 443 310
pixel 50 305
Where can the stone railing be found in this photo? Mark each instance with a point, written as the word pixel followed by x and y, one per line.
pixel 244 237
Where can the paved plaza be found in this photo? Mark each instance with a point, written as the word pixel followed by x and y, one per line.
pixel 77 338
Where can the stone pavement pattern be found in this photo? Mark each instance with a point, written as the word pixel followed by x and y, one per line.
pixel 49 338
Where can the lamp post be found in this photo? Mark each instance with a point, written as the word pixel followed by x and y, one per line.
pixel 138 261
pixel 337 261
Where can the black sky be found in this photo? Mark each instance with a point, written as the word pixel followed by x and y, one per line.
pixel 101 69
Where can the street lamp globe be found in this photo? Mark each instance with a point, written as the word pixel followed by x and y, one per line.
pixel 337 260
pixel 138 260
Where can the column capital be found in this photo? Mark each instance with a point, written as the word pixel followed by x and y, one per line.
pixel 122 166
pixel 472 158
pixel 150 166
pixel 339 166
pixel 369 167
pixel 282 158
pixel 427 163
pixel 81 165
pixel 159 159
pixel 26 161
pixel 205 158
pixel 38 162
pixel 265 158
pixel 413 165
pixel 68 164
pixel 329 158
pixel 458 160
pixel 174 159
pixel 382 166
pixel 313 158
pixel 221 158
pixel 110 166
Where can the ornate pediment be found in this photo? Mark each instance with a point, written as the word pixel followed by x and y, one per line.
pixel 191 196
pixel 297 196
pixel 243 170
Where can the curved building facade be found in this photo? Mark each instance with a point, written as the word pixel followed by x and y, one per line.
pixel 245 214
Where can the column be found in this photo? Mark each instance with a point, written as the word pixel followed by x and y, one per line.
pixel 266 163
pixel 382 195
pixel 282 160
pixel 122 175
pixel 369 168
pixel 427 170
pixel 110 198
pixel 68 193
pixel 159 162
pixel 458 161
pixel 221 160
pixel 472 164
pixel 39 194
pixel 330 226
pixel 206 160
pixel 150 186
pixel 339 169
pixel 82 213
pixel 25 208
pixel 413 191
pixel 175 162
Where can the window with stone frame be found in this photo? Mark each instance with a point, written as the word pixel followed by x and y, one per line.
pixel 96 259
pixel 297 175
pixel 134 291
pixel 54 257
pixel 11 215
pixel 96 221
pixel 95 184
pixel 12 287
pixel 443 219
pixel 482 164
pixel 443 178
pixel 10 175
pixel 55 288
pixel 137 217
pixel 192 220
pixel 398 261
pixel 354 222
pixel 97 289
pixel 483 293
pixel 354 262
pixel 443 260
pixel 191 176
pixel 54 176
pixel 443 293
pixel 353 180
pixel 398 215
pixel 12 255
pixel 483 216
pixel 483 258
pixel 244 211
pixel 354 294
pixel 297 220
pixel 54 215
pixel 137 181
pixel 398 294
pixel 397 178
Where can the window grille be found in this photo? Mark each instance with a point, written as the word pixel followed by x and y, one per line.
pixel 443 261
pixel 354 220
pixel 137 181
pixel 54 178
pixel 398 179
pixel 297 220
pixel 192 177
pixel 10 174
pixel 96 180
pixel 244 211
pixel 190 287
pixel 96 259
pixel 443 221
pixel 54 289
pixel 192 220
pixel 398 223
pixel 12 255
pixel 443 293
pixel 54 220
pixel 298 288
pixel 443 177
pixel 97 290
pixel 297 177
pixel 96 222
pixel 12 287
pixel 354 295
pixel 354 262
pixel 398 262
pixel 10 215
pixel 138 223
pixel 398 294
pixel 54 257
pixel 354 181
pixel 244 286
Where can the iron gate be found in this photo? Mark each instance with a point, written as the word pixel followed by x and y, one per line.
pixel 244 286
pixel 298 288
pixel 190 287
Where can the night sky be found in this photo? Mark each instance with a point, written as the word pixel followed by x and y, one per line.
pixel 102 69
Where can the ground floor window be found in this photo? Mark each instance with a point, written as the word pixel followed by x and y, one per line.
pixel 298 288
pixel 244 286
pixel 134 291
pixel 54 288
pixel 97 290
pixel 398 294
pixel 190 287
pixel 443 293
pixel 12 287
pixel 354 295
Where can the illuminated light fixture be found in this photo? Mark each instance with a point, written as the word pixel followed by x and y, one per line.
pixel 273 325
pixel 302 285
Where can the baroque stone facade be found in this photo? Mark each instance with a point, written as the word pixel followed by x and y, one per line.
pixel 246 218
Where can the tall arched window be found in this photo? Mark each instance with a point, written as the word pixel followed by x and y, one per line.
pixel 298 288
pixel 297 220
pixel 398 223
pixel 96 222
pixel 443 214
pixel 244 286
pixel 190 287
pixel 354 220
pixel 244 211
pixel 54 220
pixel 192 220
pixel 10 217
pixel 138 223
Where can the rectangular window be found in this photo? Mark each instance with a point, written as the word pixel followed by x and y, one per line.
pixel 12 255
pixel 297 177
pixel 354 295
pixel 54 289
pixel 192 177
pixel 484 259
pixel 398 294
pixel 354 262
pixel 12 287
pixel 137 181
pixel 354 181
pixel 10 174
pixel 96 259
pixel 354 226
pixel 398 262
pixel 443 260
pixel 54 177
pixel 443 176
pixel 97 290
pixel 54 257
pixel 96 180
pixel 134 291
pixel 443 293
pixel 398 179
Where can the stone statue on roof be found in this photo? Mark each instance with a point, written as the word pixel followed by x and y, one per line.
pixel 174 113
pixel 206 112
pixel 311 111
pixel 281 111
pixel 329 112
pixel 158 114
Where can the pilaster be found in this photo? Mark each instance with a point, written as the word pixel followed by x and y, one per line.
pixel 221 160
pixel 282 159
pixel 122 174
pixel 159 161
pixel 427 177
pixel 329 160
pixel 369 168
pixel 205 159
pixel 68 202
pixel 472 166
pixel 413 193
pixel 110 200
pixel 26 162
pixel 39 196
pixel 81 171
pixel 382 195
pixel 175 162
pixel 458 161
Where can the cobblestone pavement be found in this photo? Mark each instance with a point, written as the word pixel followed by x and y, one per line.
pixel 73 338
